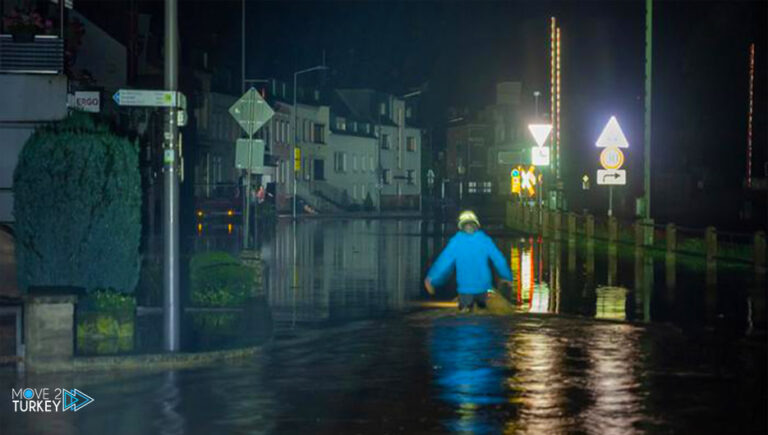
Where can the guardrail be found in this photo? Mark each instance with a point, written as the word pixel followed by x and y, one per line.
pixel 707 242
pixel 43 55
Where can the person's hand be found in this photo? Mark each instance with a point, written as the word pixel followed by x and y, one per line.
pixel 429 287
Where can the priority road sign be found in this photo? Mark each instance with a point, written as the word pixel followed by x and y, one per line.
pixel 613 177
pixel 251 111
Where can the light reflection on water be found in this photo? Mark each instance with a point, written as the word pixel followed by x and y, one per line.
pixel 436 372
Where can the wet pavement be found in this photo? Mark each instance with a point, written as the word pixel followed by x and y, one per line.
pixel 601 344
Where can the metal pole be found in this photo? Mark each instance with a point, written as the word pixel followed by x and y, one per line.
pixel 647 132
pixel 610 201
pixel 171 189
pixel 295 139
pixel 242 47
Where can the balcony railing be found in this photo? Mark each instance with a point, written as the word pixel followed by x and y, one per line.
pixel 43 55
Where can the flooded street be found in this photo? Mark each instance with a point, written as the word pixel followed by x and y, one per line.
pixel 604 342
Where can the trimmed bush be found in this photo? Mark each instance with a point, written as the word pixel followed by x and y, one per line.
pixel 368 203
pixel 105 323
pixel 77 205
pixel 219 280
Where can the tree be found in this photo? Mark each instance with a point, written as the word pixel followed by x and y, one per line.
pixel 77 206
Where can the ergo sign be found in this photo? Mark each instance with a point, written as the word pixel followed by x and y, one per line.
pixel 86 101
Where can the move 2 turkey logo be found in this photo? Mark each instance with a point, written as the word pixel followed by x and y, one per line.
pixel 48 399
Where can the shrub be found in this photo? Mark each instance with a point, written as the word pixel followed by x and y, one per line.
pixel 368 203
pixel 219 280
pixel 77 204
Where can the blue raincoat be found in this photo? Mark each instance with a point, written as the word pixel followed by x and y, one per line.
pixel 469 253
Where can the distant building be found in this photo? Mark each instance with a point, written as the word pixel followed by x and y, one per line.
pixel 483 146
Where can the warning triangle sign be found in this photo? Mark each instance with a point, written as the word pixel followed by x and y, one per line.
pixel 612 136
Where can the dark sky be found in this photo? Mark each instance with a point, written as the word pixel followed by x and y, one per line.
pixel 464 47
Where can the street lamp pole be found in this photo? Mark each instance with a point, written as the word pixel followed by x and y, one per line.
pixel 295 128
pixel 536 99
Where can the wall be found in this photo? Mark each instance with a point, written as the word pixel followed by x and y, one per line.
pixel 28 100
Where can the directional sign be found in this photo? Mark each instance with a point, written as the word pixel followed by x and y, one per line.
pixel 612 177
pixel 540 132
pixel 142 97
pixel 611 158
pixel 612 136
pixel 251 111
pixel 249 150
pixel 540 156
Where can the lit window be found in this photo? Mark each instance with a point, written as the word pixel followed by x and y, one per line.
pixel 409 176
pixel 385 141
pixel 341 123
pixel 383 108
pixel 387 176
pixel 472 186
pixel 487 185
pixel 410 143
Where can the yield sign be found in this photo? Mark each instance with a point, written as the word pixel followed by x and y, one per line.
pixel 251 111
pixel 612 136
pixel 540 132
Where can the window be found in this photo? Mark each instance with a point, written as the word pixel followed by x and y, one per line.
pixel 317 95
pixel 367 128
pixel 487 185
pixel 385 141
pixel 373 168
pixel 341 123
pixel 382 108
pixel 387 176
pixel 409 176
pixel 353 126
pixel 307 168
pixel 363 161
pixel 354 162
pixel 307 130
pixel 410 143
pixel 339 162
pixel 318 134
pixel 362 192
pixel 354 192
pixel 408 112
pixel 472 187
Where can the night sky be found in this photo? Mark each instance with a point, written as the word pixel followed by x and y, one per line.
pixel 463 48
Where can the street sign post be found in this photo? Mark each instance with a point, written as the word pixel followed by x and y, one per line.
pixel 611 177
pixel 149 98
pixel 251 112
pixel 249 152
pixel 540 156
pixel 612 139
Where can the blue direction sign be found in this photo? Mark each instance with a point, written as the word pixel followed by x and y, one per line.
pixel 149 98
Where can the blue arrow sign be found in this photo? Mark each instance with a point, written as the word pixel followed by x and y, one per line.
pixel 116 97
pixel 75 399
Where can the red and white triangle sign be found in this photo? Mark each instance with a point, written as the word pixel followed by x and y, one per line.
pixel 612 136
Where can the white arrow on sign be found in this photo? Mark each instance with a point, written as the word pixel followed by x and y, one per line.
pixel 612 136
pixel 540 132
pixel 614 177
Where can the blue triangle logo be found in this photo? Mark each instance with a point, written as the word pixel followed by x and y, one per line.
pixel 75 400
pixel 116 97
pixel 69 400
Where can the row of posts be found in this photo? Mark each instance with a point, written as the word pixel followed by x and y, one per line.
pixel 550 224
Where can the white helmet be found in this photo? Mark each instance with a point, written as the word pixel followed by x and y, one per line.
pixel 466 217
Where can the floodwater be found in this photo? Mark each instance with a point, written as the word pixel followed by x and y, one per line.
pixel 602 343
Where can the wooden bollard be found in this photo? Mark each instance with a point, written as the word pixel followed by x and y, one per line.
pixel 671 237
pixel 589 224
pixel 710 239
pixel 758 246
